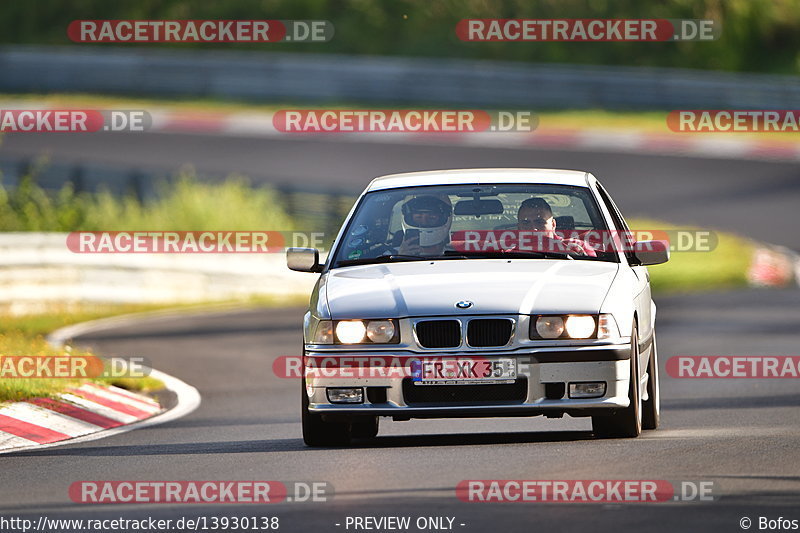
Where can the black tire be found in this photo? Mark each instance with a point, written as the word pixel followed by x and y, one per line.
pixel 626 423
pixel 317 432
pixel 364 427
pixel 651 407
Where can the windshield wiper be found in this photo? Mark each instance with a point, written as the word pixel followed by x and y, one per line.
pixel 387 258
pixel 512 253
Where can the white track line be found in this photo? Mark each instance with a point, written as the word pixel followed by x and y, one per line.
pixel 188 398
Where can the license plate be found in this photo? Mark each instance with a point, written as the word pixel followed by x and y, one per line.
pixel 466 371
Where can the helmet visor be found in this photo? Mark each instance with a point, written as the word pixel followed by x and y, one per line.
pixel 426 212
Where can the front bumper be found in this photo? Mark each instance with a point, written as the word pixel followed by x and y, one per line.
pixel 535 393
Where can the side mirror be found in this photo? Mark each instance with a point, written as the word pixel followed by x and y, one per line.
pixel 303 259
pixel 651 252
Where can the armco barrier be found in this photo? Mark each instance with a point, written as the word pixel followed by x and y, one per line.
pixel 317 78
pixel 37 269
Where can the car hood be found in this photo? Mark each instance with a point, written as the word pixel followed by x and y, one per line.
pixel 495 286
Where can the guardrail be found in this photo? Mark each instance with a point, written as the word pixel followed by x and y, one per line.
pixel 37 270
pixel 317 78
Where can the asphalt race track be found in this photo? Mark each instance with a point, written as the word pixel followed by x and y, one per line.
pixel 744 435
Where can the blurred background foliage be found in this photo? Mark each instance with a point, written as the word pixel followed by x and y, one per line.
pixel 757 35
pixel 185 204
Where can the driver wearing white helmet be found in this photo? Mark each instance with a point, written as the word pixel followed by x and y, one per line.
pixel 426 225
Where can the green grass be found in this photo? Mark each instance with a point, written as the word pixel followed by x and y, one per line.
pixel 18 343
pixel 725 267
pixel 24 335
pixel 184 205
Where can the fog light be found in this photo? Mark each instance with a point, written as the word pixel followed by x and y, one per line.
pixel 346 395
pixel 592 389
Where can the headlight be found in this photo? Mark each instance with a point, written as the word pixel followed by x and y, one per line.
pixel 549 327
pixel 350 331
pixel 324 332
pixel 573 327
pixel 580 327
pixel 380 331
pixel 356 332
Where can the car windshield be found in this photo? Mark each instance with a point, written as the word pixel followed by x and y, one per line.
pixel 472 221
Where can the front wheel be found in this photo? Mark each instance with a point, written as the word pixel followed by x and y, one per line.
pixel 627 422
pixel 316 431
pixel 651 407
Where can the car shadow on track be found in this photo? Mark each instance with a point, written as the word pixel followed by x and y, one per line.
pixel 289 445
pixel 473 439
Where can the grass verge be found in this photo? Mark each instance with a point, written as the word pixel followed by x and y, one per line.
pixel 724 267
pixel 24 335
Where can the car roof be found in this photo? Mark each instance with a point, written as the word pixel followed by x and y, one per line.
pixel 481 175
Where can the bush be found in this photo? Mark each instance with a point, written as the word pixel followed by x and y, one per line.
pixel 183 205
pixel 757 35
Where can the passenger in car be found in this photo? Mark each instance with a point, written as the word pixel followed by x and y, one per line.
pixel 536 215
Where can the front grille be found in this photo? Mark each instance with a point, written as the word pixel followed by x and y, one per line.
pixel 439 333
pixel 485 332
pixel 464 394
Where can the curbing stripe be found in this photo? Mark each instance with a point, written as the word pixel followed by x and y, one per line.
pixel 9 441
pixel 95 407
pixel 86 410
pixel 76 412
pixel 138 397
pixel 45 418
pixel 38 434
pixel 260 124
pixel 111 404
pixel 119 398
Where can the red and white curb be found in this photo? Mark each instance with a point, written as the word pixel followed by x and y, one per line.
pixel 87 409
pixel 259 124
pixel 774 266
pixel 638 141
pixel 90 411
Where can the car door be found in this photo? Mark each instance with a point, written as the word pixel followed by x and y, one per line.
pixel 642 296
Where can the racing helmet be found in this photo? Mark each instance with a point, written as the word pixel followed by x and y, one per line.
pixel 434 227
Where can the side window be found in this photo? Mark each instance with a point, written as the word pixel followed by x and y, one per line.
pixel 619 222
